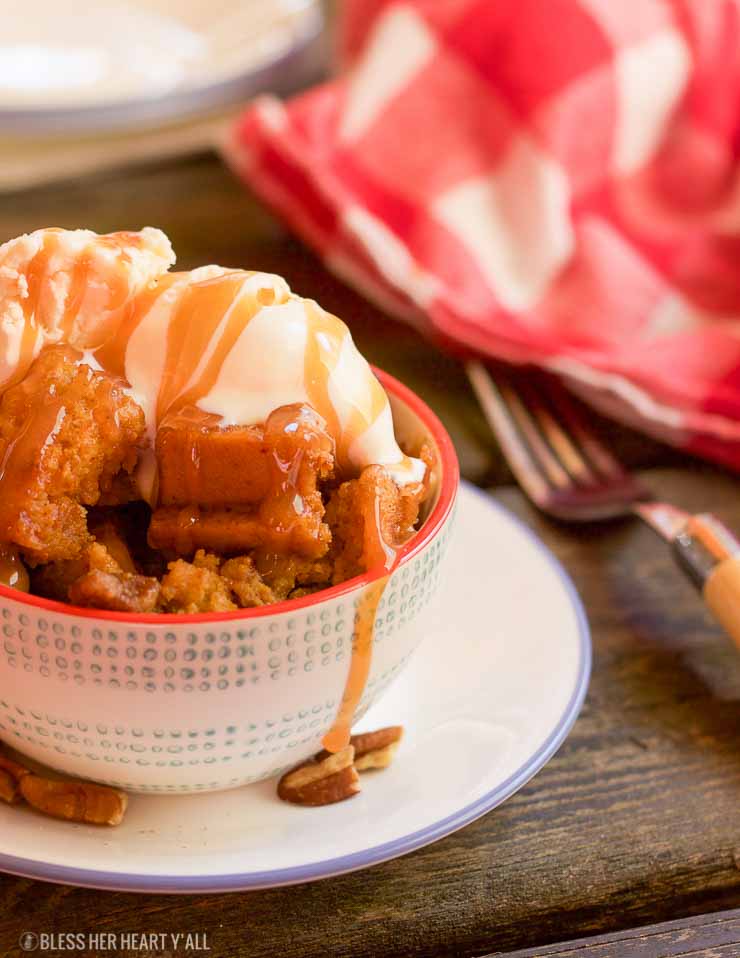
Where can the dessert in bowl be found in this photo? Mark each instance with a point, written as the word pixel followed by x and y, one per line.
pixel 229 526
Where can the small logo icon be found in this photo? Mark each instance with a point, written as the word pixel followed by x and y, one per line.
pixel 29 941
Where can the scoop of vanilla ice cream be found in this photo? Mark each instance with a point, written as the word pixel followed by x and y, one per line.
pixel 266 348
pixel 69 285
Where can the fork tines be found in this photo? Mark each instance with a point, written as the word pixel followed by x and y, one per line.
pixel 564 469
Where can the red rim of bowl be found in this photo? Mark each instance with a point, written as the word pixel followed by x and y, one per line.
pixel 432 525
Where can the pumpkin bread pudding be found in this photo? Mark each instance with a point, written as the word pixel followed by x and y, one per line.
pixel 186 442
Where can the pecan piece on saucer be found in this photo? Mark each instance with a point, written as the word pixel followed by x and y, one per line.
pixel 75 801
pixel 376 749
pixel 81 802
pixel 323 780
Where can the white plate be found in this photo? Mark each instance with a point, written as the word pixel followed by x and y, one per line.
pixel 494 689
pixel 116 64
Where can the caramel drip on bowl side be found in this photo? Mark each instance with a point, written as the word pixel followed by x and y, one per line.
pixel 359 667
pixel 381 554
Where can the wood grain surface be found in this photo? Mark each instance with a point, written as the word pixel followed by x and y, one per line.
pixel 711 936
pixel 636 820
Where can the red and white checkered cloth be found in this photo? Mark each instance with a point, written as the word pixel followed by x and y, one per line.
pixel 550 181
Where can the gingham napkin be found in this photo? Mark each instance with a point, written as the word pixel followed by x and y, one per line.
pixel 549 181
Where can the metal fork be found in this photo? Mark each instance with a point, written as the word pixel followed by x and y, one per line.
pixel 571 475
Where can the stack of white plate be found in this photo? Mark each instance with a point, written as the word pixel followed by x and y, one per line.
pixel 76 73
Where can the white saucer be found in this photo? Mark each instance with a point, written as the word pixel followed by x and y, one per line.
pixel 486 701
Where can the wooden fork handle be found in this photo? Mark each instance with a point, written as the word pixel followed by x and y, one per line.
pixel 722 595
pixel 709 552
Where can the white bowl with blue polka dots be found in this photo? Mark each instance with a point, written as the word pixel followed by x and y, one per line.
pixel 167 703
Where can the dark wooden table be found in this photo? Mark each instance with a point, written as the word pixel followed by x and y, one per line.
pixel 635 821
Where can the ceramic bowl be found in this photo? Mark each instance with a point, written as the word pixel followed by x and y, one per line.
pixel 191 703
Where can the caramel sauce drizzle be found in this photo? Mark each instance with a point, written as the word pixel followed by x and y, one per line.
pixel 113 293
pixel 111 354
pixel 204 323
pixel 12 570
pixel 359 667
pixel 322 356
pixel 380 555
pixel 32 314
pixel 41 423
pixel 197 350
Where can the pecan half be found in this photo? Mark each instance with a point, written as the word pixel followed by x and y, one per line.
pixel 75 801
pixel 376 749
pixel 322 780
